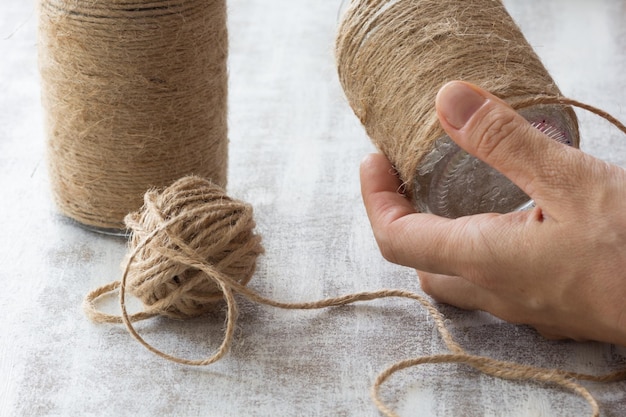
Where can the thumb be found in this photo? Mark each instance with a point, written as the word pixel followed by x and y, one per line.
pixel 489 129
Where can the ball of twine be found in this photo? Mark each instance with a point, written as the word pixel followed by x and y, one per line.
pixel 135 97
pixel 394 56
pixel 192 218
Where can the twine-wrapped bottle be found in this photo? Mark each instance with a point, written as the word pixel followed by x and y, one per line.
pixel 394 55
pixel 135 97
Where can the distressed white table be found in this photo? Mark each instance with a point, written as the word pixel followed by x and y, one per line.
pixel 295 150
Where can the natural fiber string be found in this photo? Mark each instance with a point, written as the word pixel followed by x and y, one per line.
pixel 496 368
pixel 393 56
pixel 193 245
pixel 135 96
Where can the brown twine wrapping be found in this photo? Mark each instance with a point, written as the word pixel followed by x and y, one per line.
pixel 193 245
pixel 393 56
pixel 135 96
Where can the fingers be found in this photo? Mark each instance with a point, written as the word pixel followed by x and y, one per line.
pixel 380 188
pixel 452 290
pixel 491 130
pixel 461 293
pixel 550 335
pixel 425 241
pixel 387 209
pixel 399 231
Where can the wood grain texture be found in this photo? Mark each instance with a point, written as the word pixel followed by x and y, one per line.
pixel 295 147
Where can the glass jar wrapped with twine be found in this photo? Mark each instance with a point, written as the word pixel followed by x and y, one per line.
pixel 135 97
pixel 393 56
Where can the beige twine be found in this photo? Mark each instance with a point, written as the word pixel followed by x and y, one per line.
pixel 135 96
pixel 192 245
pixel 393 56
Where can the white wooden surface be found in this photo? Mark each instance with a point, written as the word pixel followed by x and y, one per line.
pixel 295 150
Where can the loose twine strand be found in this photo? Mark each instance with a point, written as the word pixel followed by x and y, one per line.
pixel 174 246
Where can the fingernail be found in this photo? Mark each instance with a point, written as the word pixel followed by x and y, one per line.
pixel 457 102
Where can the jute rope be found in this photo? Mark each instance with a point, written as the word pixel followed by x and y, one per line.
pixel 135 96
pixel 193 245
pixel 393 56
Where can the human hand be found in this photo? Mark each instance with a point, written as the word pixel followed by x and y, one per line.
pixel 560 267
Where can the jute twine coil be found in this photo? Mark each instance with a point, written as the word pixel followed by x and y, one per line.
pixel 135 97
pixel 193 245
pixel 393 56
